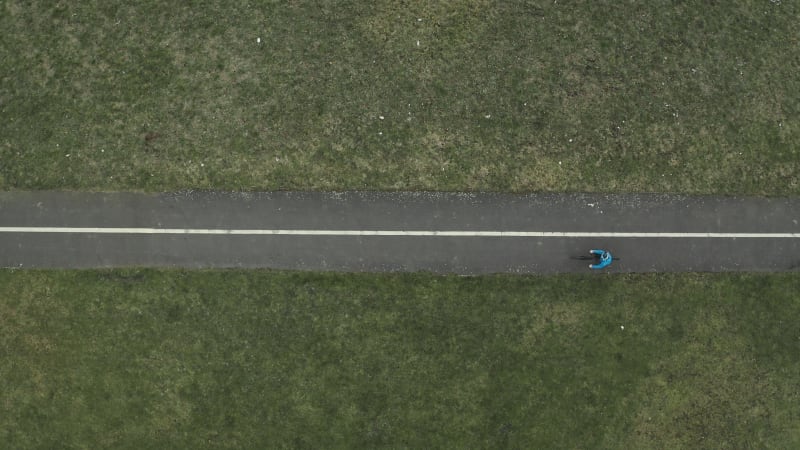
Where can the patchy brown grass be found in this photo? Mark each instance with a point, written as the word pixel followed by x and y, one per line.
pixel 655 97
pixel 229 358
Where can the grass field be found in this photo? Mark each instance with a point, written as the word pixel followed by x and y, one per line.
pixel 585 95
pixel 226 359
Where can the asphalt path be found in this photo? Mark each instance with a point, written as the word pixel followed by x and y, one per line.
pixel 386 232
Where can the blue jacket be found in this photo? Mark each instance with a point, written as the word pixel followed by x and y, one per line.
pixel 605 259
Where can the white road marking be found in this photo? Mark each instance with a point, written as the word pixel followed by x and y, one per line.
pixel 443 233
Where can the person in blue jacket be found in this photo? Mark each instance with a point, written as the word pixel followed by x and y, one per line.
pixel 602 258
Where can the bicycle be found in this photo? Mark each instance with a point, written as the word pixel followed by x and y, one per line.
pixel 597 263
pixel 590 258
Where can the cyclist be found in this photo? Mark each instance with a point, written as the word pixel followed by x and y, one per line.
pixel 602 259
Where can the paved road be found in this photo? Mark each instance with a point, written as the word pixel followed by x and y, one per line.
pixel 367 231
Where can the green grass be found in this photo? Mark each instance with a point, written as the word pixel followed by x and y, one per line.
pixel 227 359
pixel 586 95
